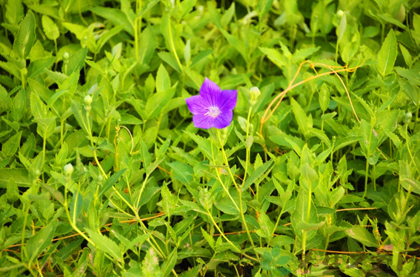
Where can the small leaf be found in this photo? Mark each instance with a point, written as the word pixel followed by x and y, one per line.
pixel 163 82
pixel 14 11
pixel 10 147
pixel 26 36
pixel 169 263
pixel 387 54
pixel 264 169
pixel 274 56
pixel 19 175
pixel 182 172
pixel 41 240
pixel 50 28
pixel 105 244
pixel 110 182
pixel 300 116
pixel 116 16
pixel 158 101
pixel 362 235
pixel 76 61
pixel 208 238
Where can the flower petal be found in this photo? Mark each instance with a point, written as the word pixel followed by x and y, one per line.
pixel 210 92
pixel 203 121
pixel 223 120
pixel 196 104
pixel 227 100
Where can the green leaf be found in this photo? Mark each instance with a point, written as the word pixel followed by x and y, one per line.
pixel 169 263
pixel 26 36
pixel 107 36
pixel 117 17
pixel 341 28
pixel 105 244
pixel 362 235
pixel 343 142
pixel 76 206
pixel 208 238
pixel 324 96
pixel 274 56
pixel 264 169
pixel 111 181
pixel 76 61
pixel 50 28
pixel 264 7
pixel 182 172
pixel 158 101
pixel 38 108
pixel 41 240
pixel 266 226
pixel 10 147
pixel 302 54
pixel 225 204
pixel 147 45
pixel 387 54
pixel 46 126
pixel 300 116
pixel 200 56
pixel 170 59
pixel 163 82
pixel 203 144
pixel 406 177
pixel 150 266
pixel 191 272
pixel 304 213
pixel 14 11
pixel 77 30
pixel 19 175
pixel 37 67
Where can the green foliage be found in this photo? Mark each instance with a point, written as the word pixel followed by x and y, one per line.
pixel 102 172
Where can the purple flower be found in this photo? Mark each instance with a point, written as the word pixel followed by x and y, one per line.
pixel 213 107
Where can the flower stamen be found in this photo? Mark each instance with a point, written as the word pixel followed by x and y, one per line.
pixel 212 111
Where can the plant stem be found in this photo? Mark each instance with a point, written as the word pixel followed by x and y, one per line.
pixel 239 192
pixel 141 191
pixel 228 240
pixel 248 149
pixel 62 132
pixel 277 223
pixel 366 178
pixel 221 182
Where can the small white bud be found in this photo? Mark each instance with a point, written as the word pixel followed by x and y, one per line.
pixel 68 169
pixel 254 93
pixel 87 100
pixel 407 117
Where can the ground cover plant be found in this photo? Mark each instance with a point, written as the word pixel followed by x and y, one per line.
pixel 209 138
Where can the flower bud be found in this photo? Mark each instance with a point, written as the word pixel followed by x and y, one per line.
pixel 88 102
pixel 66 56
pixel 68 169
pixel 254 93
pixel 340 14
pixel 407 117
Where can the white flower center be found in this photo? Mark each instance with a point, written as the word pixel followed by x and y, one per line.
pixel 213 111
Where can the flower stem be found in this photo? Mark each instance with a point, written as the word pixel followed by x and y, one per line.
pixel 221 182
pixel 239 192
pixel 248 149
pixel 228 240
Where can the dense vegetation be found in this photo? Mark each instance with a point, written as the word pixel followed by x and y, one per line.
pixel 102 172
